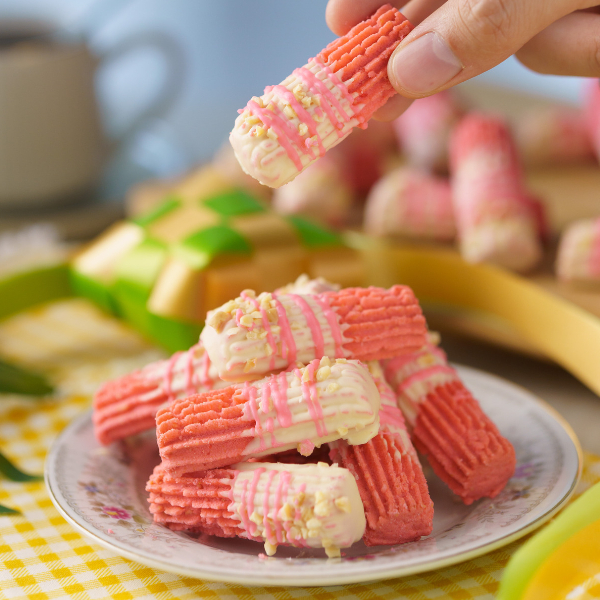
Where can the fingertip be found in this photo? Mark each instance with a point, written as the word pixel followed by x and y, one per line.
pixel 342 15
pixel 393 108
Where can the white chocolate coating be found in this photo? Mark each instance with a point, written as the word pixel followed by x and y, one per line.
pixel 578 257
pixel 251 336
pixel 315 506
pixel 291 125
pixel 305 285
pixel 414 376
pixel 306 407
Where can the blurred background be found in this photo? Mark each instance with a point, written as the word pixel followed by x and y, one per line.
pixel 218 55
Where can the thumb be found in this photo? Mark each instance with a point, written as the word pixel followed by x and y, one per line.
pixel 464 38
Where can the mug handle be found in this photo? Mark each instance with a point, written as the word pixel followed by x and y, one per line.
pixel 172 85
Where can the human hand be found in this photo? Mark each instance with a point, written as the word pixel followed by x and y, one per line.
pixel 455 40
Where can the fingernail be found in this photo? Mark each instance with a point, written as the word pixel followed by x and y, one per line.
pixel 424 65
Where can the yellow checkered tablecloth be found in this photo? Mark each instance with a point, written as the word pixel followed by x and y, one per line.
pixel 42 557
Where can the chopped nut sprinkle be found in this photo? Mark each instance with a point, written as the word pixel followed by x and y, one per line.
pixel 323 373
pixel 270 549
pixel 217 320
pixel 250 364
pixel 302 129
pixel 289 112
pixel 343 504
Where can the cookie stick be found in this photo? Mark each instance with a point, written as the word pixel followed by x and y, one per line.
pixel 389 476
pixel 302 408
pixel 254 335
pixel 307 506
pixel 462 444
pixel 292 124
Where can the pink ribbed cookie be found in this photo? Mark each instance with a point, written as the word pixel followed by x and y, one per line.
pixel 254 335
pixel 302 408
pixel 389 477
pixel 447 424
pixel 128 405
pixel 463 446
pixel 411 203
pixel 308 506
pixel 494 221
pixel 320 192
pixel 555 135
pixel 291 125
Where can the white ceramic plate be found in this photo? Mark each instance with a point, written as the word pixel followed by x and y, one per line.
pixel 101 492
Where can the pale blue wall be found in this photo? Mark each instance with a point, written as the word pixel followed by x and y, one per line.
pixel 233 49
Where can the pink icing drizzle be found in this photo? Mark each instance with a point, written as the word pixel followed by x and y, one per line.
pixel 287 133
pixel 391 416
pixel 311 396
pixel 205 369
pixel 244 509
pixel 193 380
pixel 250 393
pixel 312 322
pixel 424 375
pixel 334 324
pixel 339 84
pixel 168 378
pixel 282 409
pixel 314 83
pixel 280 127
pixel 287 335
pixel 268 533
pixel 282 488
pixel 399 362
pixel 250 499
pixel 303 114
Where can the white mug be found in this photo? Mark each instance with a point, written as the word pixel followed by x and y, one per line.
pixel 52 147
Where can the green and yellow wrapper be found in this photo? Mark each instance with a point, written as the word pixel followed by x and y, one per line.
pixel 163 270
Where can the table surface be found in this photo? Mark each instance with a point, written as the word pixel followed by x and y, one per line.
pixel 79 346
pixel 576 403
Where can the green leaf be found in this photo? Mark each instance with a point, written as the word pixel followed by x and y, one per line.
pixel 11 472
pixel 234 203
pixel 16 380
pixel 4 510
pixel 313 235
pixel 170 204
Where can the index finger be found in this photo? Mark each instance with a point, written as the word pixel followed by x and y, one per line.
pixel 343 15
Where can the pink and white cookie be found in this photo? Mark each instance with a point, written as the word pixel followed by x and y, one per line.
pixel 307 506
pixel 493 218
pixel 389 476
pixel 463 446
pixel 305 285
pixel 578 256
pixel 293 124
pixel 127 406
pixel 411 203
pixel 251 336
pixel 302 408
pixel 556 135
pixel 423 131
pixel 319 192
